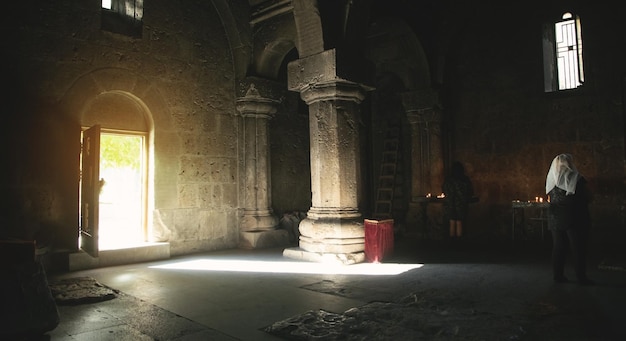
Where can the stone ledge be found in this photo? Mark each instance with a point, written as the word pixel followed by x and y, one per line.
pixel 136 254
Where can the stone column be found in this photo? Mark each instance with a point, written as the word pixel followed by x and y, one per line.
pixel 333 230
pixel 258 224
pixel 417 154
pixel 432 119
pixel 426 148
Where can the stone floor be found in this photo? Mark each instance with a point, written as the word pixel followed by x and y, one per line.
pixel 79 290
pixel 431 290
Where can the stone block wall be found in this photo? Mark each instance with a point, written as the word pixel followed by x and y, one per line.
pixel 180 74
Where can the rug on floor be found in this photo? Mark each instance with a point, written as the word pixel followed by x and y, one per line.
pixel 79 290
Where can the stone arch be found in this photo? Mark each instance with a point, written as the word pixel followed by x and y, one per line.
pixel 326 24
pixel 273 40
pixel 118 110
pixel 116 81
pixel 269 62
pixel 238 37
pixel 308 21
pixel 407 59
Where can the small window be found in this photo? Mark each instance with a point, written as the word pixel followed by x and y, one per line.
pixel 563 54
pixel 123 17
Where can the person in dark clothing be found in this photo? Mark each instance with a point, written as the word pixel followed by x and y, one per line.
pixel 458 190
pixel 569 219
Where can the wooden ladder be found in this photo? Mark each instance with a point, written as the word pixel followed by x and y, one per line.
pixel 387 177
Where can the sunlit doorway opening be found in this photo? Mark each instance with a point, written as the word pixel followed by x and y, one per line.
pixel 122 205
pixel 122 195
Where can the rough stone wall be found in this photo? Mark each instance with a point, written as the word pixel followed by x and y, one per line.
pixel 506 130
pixel 183 58
pixel 289 152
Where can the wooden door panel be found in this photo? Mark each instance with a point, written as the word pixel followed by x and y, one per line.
pixel 90 190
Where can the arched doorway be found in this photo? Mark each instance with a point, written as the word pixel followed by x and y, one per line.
pixel 117 214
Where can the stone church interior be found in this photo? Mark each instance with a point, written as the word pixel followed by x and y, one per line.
pixel 144 130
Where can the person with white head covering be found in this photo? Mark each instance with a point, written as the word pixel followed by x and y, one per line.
pixel 562 174
pixel 568 217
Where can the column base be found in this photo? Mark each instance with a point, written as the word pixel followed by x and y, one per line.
pixel 329 258
pixel 258 221
pixel 332 235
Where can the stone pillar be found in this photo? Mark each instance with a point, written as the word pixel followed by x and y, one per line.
pixel 432 120
pixel 426 148
pixel 418 177
pixel 258 224
pixel 333 230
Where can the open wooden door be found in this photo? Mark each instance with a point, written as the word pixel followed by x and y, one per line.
pixel 90 190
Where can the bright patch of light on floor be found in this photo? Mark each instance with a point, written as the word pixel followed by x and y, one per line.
pixel 125 277
pixel 290 267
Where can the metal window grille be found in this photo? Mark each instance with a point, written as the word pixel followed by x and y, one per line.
pixel 568 42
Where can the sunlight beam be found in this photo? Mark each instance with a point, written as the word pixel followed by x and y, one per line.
pixel 374 269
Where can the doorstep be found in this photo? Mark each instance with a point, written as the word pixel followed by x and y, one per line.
pixel 144 252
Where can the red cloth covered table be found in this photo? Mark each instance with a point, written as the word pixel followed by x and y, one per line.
pixel 378 239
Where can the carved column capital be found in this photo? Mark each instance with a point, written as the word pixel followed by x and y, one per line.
pixel 421 106
pixel 257 107
pixel 418 100
pixel 338 90
pixel 260 87
pixel 253 105
pixel 329 75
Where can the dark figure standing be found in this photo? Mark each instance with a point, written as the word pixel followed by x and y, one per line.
pixel 568 217
pixel 458 190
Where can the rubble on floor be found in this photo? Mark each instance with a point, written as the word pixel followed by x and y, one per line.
pixel 428 315
pixel 80 290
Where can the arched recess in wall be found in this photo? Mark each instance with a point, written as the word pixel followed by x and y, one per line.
pixel 123 103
